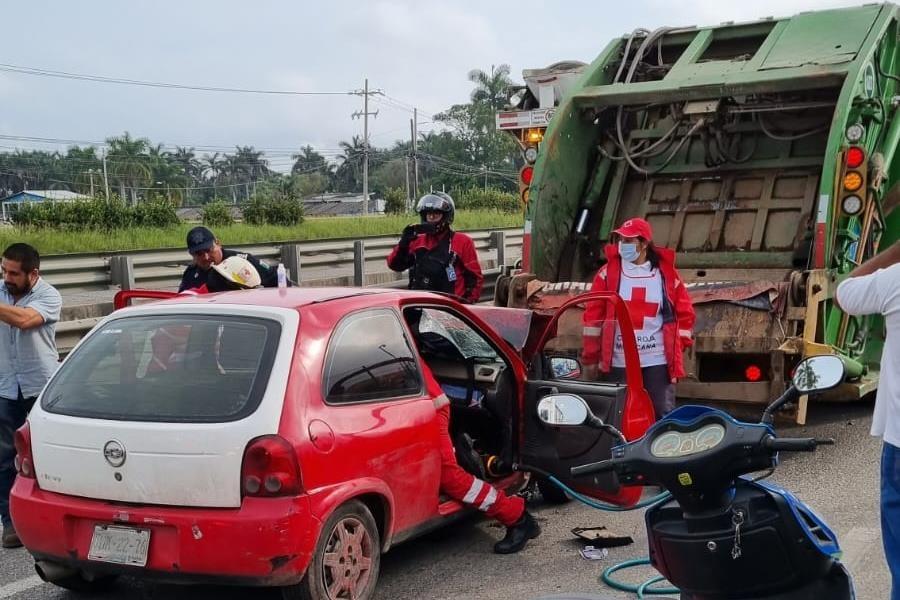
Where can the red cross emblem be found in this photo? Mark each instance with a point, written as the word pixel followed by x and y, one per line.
pixel 639 308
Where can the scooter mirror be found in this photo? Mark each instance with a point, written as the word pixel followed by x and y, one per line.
pixel 563 409
pixel 818 373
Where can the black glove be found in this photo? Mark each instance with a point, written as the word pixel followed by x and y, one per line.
pixel 409 234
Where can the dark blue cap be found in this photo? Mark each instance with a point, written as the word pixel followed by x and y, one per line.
pixel 200 238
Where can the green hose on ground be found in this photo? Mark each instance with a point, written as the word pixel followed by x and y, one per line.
pixel 644 588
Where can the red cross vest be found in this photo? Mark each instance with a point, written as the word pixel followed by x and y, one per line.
pixel 677 311
pixel 640 286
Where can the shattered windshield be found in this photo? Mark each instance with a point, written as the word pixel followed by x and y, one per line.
pixel 469 342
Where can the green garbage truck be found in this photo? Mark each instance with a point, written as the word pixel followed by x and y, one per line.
pixel 764 153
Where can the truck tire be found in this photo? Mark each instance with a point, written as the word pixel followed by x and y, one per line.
pixel 551 493
pixel 347 555
pixel 501 291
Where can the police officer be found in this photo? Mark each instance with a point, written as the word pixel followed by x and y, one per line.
pixel 206 251
pixel 438 258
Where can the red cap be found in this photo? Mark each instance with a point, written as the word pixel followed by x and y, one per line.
pixel 635 228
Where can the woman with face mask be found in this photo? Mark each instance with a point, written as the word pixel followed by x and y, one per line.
pixel 661 313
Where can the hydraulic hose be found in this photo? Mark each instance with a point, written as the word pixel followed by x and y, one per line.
pixel 641 590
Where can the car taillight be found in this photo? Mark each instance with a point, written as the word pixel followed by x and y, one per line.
pixel 753 373
pixel 24 459
pixel 270 468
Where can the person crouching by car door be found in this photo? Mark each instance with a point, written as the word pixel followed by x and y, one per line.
pixel 438 258
pixel 660 308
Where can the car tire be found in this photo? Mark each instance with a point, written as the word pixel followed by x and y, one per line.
pixel 347 554
pixel 551 493
pixel 79 583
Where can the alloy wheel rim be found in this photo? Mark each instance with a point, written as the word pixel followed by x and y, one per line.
pixel 347 564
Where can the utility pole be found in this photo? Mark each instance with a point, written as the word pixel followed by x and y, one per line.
pixel 91 173
pixel 408 200
pixel 484 169
pixel 106 177
pixel 365 93
pixel 415 149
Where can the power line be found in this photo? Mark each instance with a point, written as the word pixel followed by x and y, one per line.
pixel 198 147
pixel 23 70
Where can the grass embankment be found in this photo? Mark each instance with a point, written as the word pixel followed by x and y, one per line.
pixel 50 241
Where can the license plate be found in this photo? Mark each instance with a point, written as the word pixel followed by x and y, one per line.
pixel 120 545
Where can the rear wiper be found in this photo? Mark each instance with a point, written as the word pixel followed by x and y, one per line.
pixel 52 403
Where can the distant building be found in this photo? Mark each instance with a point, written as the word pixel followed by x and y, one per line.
pixel 30 196
pixel 340 205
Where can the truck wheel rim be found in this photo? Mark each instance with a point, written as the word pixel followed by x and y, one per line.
pixel 347 564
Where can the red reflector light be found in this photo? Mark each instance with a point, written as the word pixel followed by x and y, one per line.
pixel 753 373
pixel 526 174
pixel 855 156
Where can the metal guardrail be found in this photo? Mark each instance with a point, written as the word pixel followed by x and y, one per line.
pixel 316 263
pixel 320 262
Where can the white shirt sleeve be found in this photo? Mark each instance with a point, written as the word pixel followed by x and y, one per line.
pixel 870 294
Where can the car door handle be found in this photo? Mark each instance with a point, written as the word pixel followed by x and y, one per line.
pixel 547 390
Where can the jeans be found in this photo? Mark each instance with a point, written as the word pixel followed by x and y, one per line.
pixel 890 513
pixel 12 416
pixel 658 384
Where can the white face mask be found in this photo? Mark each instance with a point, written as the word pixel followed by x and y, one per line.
pixel 628 252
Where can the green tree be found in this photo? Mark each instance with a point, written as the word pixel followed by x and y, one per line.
pixel 310 184
pixel 131 164
pixel 309 161
pixel 491 88
pixel 348 175
pixel 84 169
pixel 191 169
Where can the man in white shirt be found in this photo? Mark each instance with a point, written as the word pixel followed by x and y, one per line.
pixel 873 288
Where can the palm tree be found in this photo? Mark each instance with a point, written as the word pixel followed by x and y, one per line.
pixel 308 161
pixel 214 167
pixel 84 167
pixel 253 165
pixel 491 88
pixel 236 172
pixel 167 175
pixel 347 176
pixel 190 166
pixel 131 163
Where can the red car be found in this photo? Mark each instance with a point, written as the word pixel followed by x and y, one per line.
pixel 285 437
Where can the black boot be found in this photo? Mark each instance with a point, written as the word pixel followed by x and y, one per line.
pixel 518 534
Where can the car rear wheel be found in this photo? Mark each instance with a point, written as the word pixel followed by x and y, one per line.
pixel 346 561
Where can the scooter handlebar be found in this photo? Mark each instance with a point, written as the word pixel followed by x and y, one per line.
pixel 793 444
pixel 591 468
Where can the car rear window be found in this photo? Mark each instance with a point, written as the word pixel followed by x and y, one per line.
pixel 173 368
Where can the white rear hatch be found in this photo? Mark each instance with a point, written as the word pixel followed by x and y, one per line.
pixel 157 404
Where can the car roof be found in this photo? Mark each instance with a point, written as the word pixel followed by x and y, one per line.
pixel 294 297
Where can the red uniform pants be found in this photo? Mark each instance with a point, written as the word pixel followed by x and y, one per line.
pixel 465 487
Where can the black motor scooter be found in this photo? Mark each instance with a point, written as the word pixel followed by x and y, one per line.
pixel 723 535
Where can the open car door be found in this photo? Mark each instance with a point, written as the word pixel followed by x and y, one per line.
pixel 557 366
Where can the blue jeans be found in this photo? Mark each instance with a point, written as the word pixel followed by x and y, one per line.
pixel 12 416
pixel 890 513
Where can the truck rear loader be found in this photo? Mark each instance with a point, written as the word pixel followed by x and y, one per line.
pixel 764 153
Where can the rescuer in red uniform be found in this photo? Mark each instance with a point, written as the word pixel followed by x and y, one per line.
pixel 438 258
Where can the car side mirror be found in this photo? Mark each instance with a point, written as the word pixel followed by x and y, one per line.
pixel 818 373
pixel 565 368
pixel 563 409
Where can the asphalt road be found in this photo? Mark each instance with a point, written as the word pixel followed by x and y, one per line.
pixel 840 482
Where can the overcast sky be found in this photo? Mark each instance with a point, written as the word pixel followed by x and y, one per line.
pixel 417 52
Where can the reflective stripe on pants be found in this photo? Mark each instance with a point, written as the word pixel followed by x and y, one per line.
pixel 461 485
